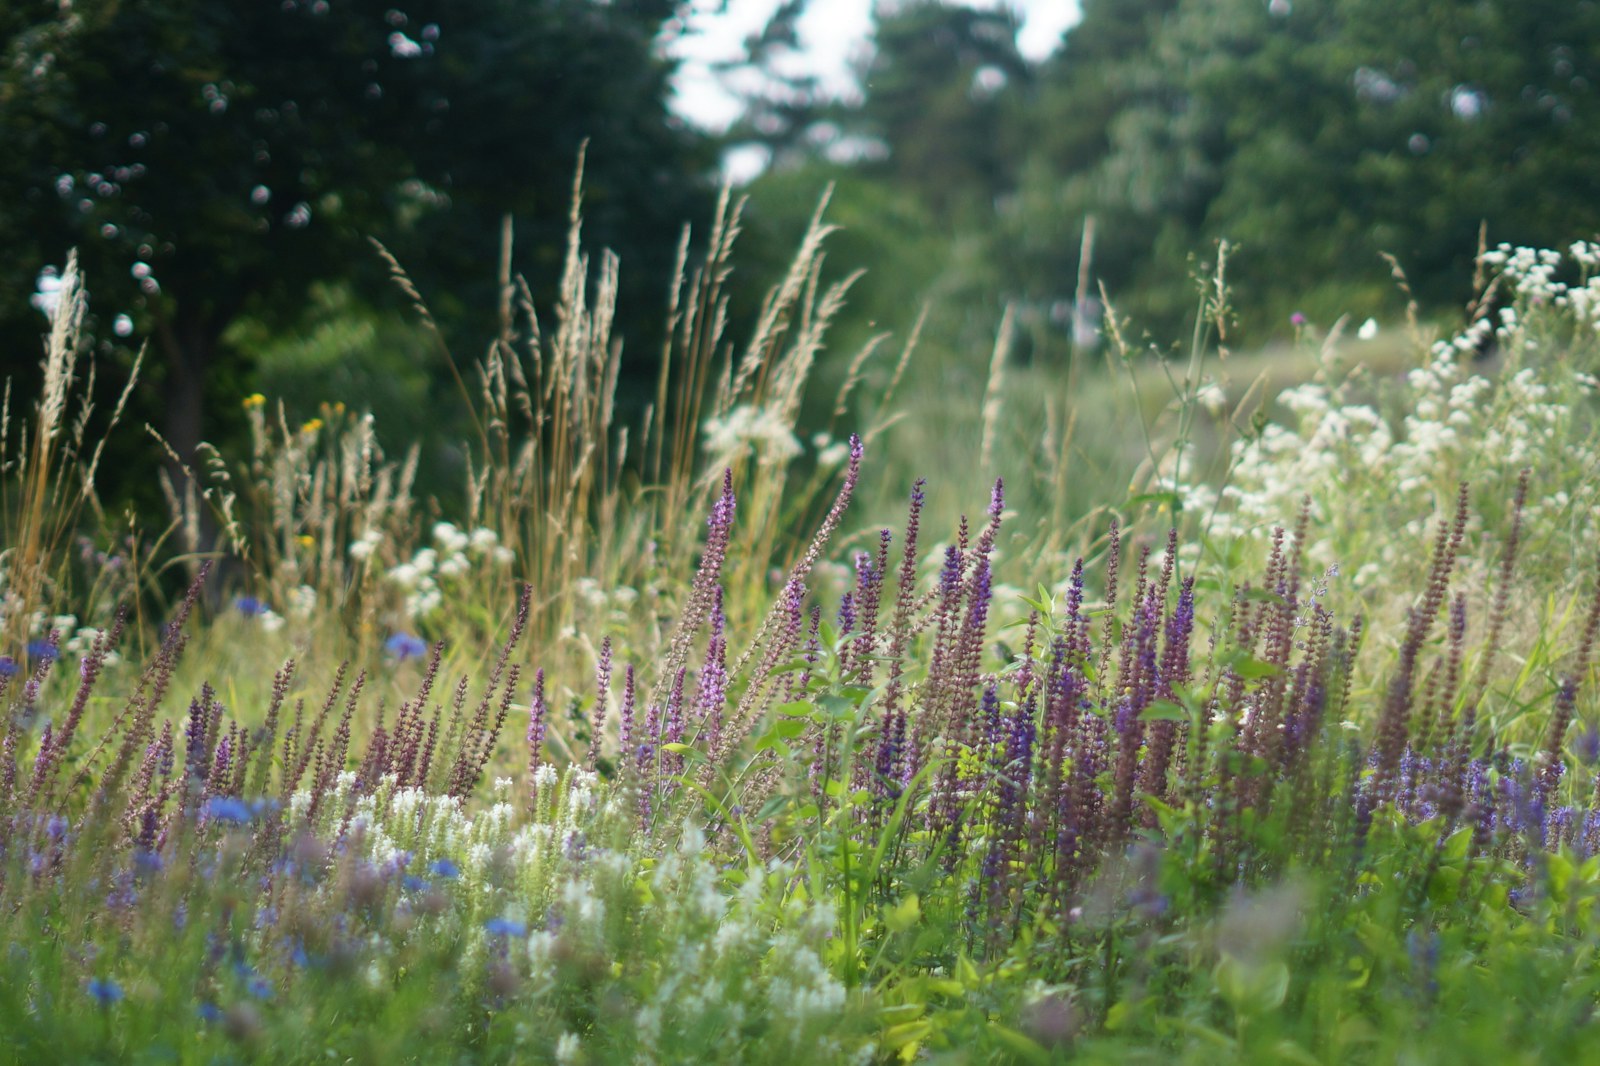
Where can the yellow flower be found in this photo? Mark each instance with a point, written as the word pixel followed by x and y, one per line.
pixel 311 426
pixel 255 399
pixel 306 540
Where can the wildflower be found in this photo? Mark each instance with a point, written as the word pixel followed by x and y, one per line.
pixel 446 869
pixel 8 666
pixel 227 809
pixel 104 992
pixel 567 1049
pixel 365 545
pixel 1587 745
pixel 505 927
pixel 1297 320
pixel 746 428
pixel 42 650
pixel 255 399
pixel 405 646
pixel 1368 330
pixel 250 607
pixel 449 538
pixel 311 426
pixel 209 1012
pixel 1212 397
pixel 302 601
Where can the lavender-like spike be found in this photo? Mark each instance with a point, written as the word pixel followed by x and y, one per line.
pixel 602 684
pixel 538 713
pixel 1551 764
pixel 905 600
pixel 711 694
pixel 756 690
pixel 704 589
pixel 625 721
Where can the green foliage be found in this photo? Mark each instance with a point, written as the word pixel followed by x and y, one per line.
pixel 211 161
pixel 1312 136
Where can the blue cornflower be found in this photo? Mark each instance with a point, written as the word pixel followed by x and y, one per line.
pixel 405 646
pixel 42 650
pixel 227 809
pixel 1587 745
pixel 446 869
pixel 260 988
pixel 8 666
pixel 505 927
pixel 413 883
pixel 250 607
pixel 104 992
pixel 209 1012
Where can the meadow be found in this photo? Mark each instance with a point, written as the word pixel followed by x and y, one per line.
pixel 844 707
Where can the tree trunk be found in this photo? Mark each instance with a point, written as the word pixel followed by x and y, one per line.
pixel 190 345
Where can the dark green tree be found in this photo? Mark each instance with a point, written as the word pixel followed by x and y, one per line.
pixel 942 91
pixel 213 160
pixel 1315 136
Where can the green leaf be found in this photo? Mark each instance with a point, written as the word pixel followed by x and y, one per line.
pixel 1018 1044
pixel 781 730
pixel 1250 668
pixel 837 708
pixel 773 805
pixel 1164 711
pixel 903 915
pixel 902 1037
pixel 1171 499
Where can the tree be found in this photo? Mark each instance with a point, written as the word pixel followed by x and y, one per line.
pixel 942 88
pixel 213 159
pixel 1317 136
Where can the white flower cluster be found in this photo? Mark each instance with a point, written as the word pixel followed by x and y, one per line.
pixel 454 556
pixel 746 429
pixel 708 948
pixel 74 639
pixel 830 452
pixel 1450 420
pixel 302 602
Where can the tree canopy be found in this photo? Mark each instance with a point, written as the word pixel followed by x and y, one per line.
pixel 1312 135
pixel 214 160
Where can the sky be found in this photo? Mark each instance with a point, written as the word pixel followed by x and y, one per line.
pixel 834 33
